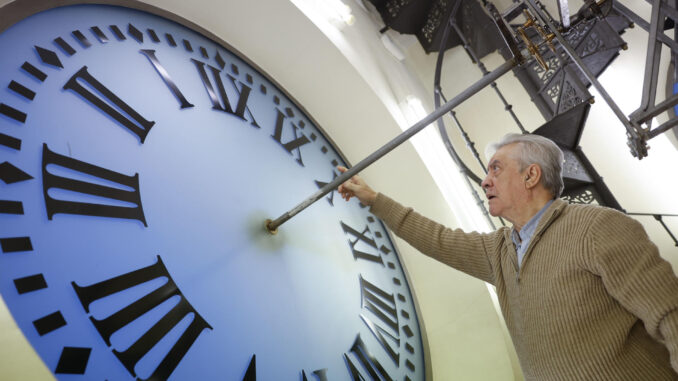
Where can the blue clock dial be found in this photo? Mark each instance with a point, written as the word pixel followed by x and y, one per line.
pixel 140 160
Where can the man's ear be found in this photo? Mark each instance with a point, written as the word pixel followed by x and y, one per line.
pixel 532 176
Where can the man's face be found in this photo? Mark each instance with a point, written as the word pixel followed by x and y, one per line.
pixel 504 184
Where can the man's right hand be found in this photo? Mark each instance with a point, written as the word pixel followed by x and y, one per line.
pixel 356 186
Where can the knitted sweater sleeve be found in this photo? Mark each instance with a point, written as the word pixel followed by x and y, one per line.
pixel 636 276
pixel 467 252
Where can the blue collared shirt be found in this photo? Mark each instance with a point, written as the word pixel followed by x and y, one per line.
pixel 522 239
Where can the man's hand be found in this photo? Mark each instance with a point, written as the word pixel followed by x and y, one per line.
pixel 356 186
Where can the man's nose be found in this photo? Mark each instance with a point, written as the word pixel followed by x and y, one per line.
pixel 485 183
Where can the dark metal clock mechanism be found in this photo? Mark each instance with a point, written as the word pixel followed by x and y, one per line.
pixel 379 307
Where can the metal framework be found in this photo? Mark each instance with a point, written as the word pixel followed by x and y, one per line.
pixel 638 123
pixel 664 13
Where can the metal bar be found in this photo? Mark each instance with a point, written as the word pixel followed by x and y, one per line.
pixel 514 10
pixel 653 214
pixel 448 145
pixel 564 13
pixel 658 217
pixel 508 107
pixel 652 59
pixel 466 172
pixel 450 149
pixel 674 56
pixel 621 8
pixel 669 11
pixel 671 123
pixel 671 44
pixel 656 110
pixel 631 15
pixel 272 226
pixel 587 72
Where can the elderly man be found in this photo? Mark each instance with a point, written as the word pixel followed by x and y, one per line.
pixel 584 292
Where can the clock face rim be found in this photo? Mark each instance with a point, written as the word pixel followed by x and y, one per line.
pixel 18 10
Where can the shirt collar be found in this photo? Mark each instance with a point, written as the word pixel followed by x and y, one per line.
pixel 526 233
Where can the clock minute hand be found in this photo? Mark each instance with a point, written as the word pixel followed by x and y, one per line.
pixel 272 225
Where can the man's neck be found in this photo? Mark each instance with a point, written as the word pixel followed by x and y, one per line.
pixel 529 211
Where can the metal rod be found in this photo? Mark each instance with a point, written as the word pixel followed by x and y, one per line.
pixel 508 107
pixel 669 11
pixel 671 123
pixel 564 12
pixel 658 217
pixel 670 43
pixel 272 226
pixel 631 15
pixel 653 214
pixel 656 110
pixel 437 96
pixel 674 52
pixel 652 58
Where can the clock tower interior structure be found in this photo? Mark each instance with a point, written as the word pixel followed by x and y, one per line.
pixel 363 82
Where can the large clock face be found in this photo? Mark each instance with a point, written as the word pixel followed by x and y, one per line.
pixel 139 162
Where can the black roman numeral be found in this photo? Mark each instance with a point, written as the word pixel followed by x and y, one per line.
pixel 293 144
pixel 150 54
pixel 382 305
pixel 132 121
pixel 108 326
pixel 251 372
pixel 362 237
pixel 369 362
pixel 321 184
pixel 220 100
pixel 55 206
pixel 320 375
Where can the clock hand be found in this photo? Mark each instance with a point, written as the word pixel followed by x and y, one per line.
pixel 272 225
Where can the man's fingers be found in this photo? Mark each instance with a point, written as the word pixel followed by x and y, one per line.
pixel 349 185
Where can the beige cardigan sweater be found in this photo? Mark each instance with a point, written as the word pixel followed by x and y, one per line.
pixel 592 300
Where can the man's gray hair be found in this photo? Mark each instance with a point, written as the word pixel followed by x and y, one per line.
pixel 538 150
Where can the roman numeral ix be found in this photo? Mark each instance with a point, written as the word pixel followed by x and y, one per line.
pixel 219 97
pixel 294 143
pixel 321 184
pixel 364 238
